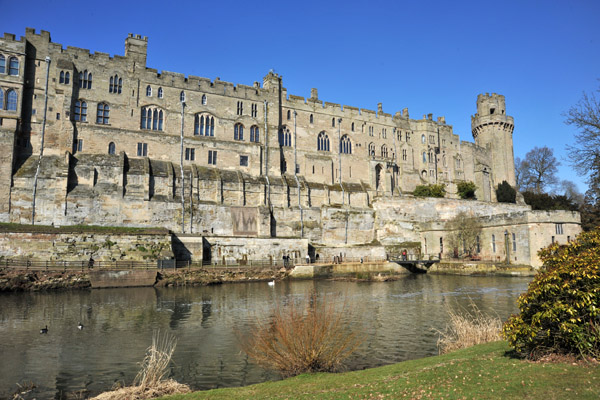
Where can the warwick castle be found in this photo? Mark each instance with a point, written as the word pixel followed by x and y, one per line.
pixel 246 172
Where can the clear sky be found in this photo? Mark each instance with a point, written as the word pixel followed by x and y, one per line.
pixel 430 56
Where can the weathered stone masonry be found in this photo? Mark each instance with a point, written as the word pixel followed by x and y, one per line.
pixel 113 142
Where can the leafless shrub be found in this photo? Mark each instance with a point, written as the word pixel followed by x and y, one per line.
pixel 468 328
pixel 303 337
pixel 149 383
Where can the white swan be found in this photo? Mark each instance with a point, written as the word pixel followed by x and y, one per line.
pixel 272 283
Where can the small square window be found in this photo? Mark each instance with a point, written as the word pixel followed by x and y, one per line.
pixel 243 161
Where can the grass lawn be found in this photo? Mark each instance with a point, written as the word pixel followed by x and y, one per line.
pixel 480 372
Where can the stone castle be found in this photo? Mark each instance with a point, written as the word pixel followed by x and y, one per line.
pixel 245 172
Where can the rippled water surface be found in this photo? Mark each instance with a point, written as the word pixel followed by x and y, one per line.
pixel 399 320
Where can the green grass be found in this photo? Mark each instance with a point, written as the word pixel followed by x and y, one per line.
pixel 480 372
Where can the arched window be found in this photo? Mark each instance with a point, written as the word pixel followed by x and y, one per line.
pixel 80 111
pixel 431 156
pixel 182 96
pixel 323 142
pixel 289 114
pixel 384 151
pixel 494 243
pixel 422 138
pixel 424 156
pixel 204 100
pixel 333 122
pixel 204 125
pixel 1 99
pixel 115 84
pixel 102 116
pixel 311 118
pixel 352 128
pixel 112 148
pixel 85 80
pixel 372 149
pixel 285 137
pixel 238 132
pixel 345 145
pixel 2 64
pixel 13 66
pixel 67 77
pixel 152 118
pixel 149 91
pixel 160 93
pixel 61 79
pixel 254 134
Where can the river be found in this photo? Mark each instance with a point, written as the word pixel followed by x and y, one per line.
pixel 399 320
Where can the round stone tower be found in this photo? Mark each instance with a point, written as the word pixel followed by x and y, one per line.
pixel 492 129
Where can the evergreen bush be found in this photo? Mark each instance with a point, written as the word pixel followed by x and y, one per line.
pixel 466 189
pixel 438 190
pixel 560 312
pixel 506 193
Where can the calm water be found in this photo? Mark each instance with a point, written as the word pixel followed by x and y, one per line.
pixel 399 319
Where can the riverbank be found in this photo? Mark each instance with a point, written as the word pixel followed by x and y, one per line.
pixel 13 280
pixel 19 280
pixel 484 371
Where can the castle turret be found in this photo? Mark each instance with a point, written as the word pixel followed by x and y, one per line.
pixel 136 48
pixel 492 129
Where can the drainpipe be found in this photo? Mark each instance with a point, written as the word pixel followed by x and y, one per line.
pixel 191 203
pixel 297 181
pixel 37 170
pixel 182 177
pixel 395 158
pixel 340 159
pixel 268 199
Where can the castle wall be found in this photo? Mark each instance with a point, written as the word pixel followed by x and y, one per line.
pixel 129 145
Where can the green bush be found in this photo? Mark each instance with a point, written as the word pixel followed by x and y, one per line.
pixel 560 312
pixel 430 190
pixel 506 193
pixel 466 189
pixel 544 201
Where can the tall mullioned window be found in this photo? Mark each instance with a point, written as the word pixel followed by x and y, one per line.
pixel 404 155
pixel 285 137
pixel 204 125
pixel 212 157
pixel 372 149
pixel 254 110
pixel 115 84
pixel 152 118
pixel 160 92
pixel 2 64
pixel 190 154
pixel 102 115
pixel 1 99
pixel 149 91
pixel 240 108
pixel 238 132
pixel 142 149
pixel 345 145
pixel 64 77
pixel 11 100
pixel 254 134
pixel 80 111
pixel 323 142
pixel 85 80
pixel 384 151
pixel 13 66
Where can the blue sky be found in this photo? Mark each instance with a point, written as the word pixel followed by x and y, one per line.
pixel 429 56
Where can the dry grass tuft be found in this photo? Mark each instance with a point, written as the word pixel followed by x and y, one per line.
pixel 306 337
pixel 468 328
pixel 149 382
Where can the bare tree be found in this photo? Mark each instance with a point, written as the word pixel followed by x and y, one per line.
pixel 464 230
pixel 523 179
pixel 569 190
pixel 584 154
pixel 539 170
